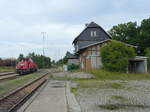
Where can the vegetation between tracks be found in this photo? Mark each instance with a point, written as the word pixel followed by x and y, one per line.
pixel 7 69
pixel 10 85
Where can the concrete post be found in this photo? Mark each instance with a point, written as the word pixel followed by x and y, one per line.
pixel 145 64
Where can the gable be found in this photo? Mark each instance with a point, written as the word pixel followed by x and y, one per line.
pixel 91 35
pixel 85 35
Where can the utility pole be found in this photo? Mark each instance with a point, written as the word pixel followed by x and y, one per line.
pixel 44 36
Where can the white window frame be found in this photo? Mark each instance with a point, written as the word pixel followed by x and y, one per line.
pixel 93 34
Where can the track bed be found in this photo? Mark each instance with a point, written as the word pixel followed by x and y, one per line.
pixel 12 101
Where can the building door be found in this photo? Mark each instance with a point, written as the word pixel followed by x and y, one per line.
pixel 93 62
pixel 88 64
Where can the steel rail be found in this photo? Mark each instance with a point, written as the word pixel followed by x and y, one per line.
pixel 12 101
pixel 6 73
pixel 8 77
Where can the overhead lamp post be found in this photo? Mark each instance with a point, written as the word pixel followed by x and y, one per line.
pixel 44 36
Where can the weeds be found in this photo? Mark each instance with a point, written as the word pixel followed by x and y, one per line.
pixel 99 84
pixel 119 98
pixel 101 74
pixel 121 106
pixel 7 69
pixel 74 91
pixel 10 85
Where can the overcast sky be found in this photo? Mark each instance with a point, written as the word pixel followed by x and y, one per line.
pixel 22 21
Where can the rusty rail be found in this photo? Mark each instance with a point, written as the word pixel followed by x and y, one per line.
pixel 8 76
pixel 6 73
pixel 12 101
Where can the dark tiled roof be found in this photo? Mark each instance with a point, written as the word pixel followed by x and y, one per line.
pixel 85 34
pixel 85 39
pixel 93 25
pixel 89 44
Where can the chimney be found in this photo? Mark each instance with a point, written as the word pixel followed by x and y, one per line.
pixel 86 24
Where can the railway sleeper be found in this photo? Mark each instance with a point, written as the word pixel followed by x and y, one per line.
pixel 11 103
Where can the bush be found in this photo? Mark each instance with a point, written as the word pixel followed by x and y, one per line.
pixel 73 67
pixel 147 53
pixel 115 56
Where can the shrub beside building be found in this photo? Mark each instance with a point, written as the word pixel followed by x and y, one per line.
pixel 115 56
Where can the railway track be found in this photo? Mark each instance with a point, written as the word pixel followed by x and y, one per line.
pixel 12 101
pixel 8 76
pixel 6 73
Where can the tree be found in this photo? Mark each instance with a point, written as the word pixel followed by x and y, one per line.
pixel 64 60
pixel 144 35
pixel 133 34
pixel 40 60
pixel 8 62
pixel 21 56
pixel 53 62
pixel 127 33
pixel 1 62
pixel 115 56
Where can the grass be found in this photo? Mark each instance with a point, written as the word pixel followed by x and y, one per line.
pixel 121 106
pixel 103 79
pixel 99 84
pixel 10 85
pixel 74 91
pixel 106 80
pixel 110 107
pixel 101 74
pixel 7 69
pixel 119 98
pixel 105 75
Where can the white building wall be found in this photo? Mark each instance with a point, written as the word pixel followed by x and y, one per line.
pixel 73 61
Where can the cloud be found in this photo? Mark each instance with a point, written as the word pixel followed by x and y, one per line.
pixel 22 21
pixel 59 36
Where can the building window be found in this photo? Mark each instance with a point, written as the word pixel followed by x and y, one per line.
pixel 94 53
pixel 93 34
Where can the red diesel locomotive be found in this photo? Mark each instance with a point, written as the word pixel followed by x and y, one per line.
pixel 26 66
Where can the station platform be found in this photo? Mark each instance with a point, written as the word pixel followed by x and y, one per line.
pixel 51 99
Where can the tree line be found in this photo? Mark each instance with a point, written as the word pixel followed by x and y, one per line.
pixel 41 60
pixel 62 61
pixel 8 62
pixel 134 34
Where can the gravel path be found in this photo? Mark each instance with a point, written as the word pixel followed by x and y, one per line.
pixel 133 97
pixel 73 75
pixel 110 95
